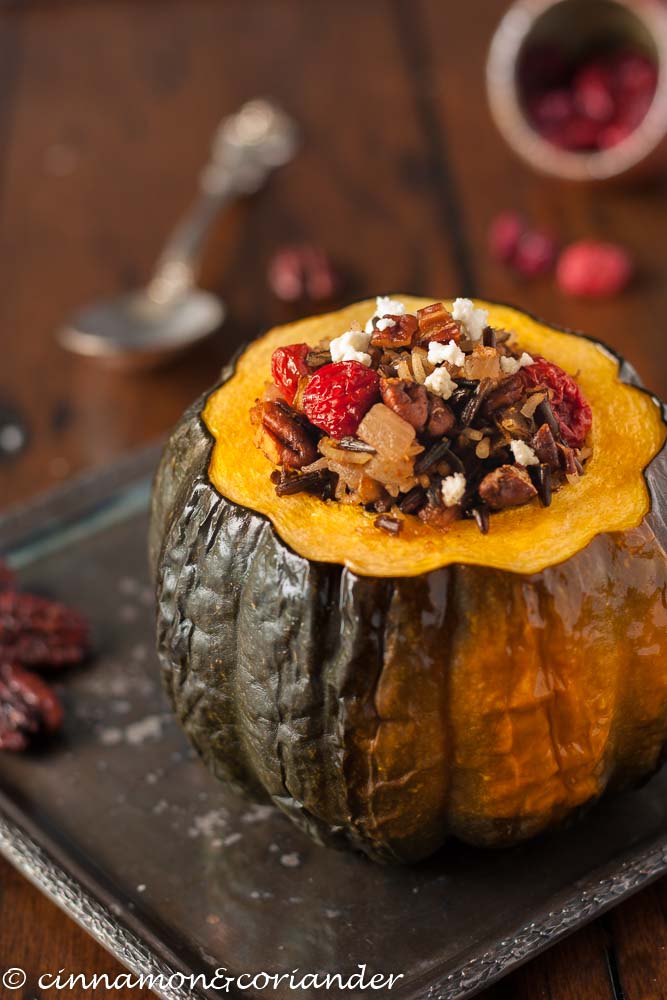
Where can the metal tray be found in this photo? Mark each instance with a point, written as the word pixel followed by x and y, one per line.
pixel 123 828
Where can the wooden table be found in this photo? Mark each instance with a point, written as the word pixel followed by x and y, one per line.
pixel 106 109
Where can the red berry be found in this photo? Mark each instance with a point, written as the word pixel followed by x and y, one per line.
pixel 633 73
pixel 552 108
pixel 593 91
pixel 288 365
pixel 592 269
pixel 535 254
pixel 612 135
pixel 504 234
pixel 579 135
pixel 339 395
pixel 571 410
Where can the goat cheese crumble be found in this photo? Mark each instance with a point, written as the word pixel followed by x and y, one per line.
pixel 440 383
pixel 474 320
pixel 385 306
pixel 451 352
pixel 453 489
pixel 523 453
pixel 351 346
pixel 512 365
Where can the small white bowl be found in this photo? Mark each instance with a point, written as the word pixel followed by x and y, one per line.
pixel 642 22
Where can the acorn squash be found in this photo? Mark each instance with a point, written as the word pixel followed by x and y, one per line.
pixel 386 692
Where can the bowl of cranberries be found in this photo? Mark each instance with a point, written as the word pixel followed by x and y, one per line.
pixel 579 87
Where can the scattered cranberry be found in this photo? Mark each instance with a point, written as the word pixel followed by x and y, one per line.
pixel 530 252
pixel 288 365
pixel 339 395
pixel 535 254
pixel 302 273
pixel 593 269
pixel 504 235
pixel 571 410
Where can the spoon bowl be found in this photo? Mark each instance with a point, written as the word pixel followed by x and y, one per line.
pixel 134 331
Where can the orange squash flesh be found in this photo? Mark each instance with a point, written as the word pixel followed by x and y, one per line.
pixel 388 692
pixel 627 433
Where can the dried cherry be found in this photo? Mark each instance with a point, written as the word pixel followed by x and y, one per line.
pixel 288 365
pixel 572 412
pixel 339 395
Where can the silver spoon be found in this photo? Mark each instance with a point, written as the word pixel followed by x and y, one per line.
pixel 145 327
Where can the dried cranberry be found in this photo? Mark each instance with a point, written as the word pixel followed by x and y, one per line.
pixel 593 269
pixel 504 234
pixel 288 365
pixel 634 73
pixel 572 412
pixel 535 254
pixel 339 395
pixel 38 632
pixel 612 135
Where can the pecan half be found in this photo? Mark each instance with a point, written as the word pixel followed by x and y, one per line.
pixel 401 334
pixel 508 486
pixel 509 391
pixel 28 708
pixel 441 420
pixel 545 447
pixel 282 436
pixel 408 399
pixel 38 632
pixel 437 324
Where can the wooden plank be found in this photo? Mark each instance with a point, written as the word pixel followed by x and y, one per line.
pixel 116 110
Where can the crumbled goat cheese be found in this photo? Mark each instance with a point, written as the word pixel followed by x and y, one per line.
pixel 453 489
pixel 512 365
pixel 451 352
pixel 523 453
pixel 384 324
pixel 384 306
pixel 474 320
pixel 440 382
pixel 351 346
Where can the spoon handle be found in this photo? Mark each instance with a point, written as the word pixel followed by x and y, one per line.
pixel 246 147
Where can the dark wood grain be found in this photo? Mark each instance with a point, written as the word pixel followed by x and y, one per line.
pixel 106 112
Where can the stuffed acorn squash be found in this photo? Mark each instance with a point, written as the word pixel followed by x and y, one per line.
pixel 389 673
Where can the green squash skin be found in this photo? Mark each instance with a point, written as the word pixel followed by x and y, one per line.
pixel 274 664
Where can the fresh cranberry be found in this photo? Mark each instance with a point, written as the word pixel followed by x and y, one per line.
pixel 578 135
pixel 339 395
pixel 535 254
pixel 634 73
pixel 288 365
pixel 612 135
pixel 571 410
pixel 504 234
pixel 593 90
pixel 593 269
pixel 552 108
pixel 303 272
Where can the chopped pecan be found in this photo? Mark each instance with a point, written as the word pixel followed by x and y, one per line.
pixel 545 447
pixel 441 420
pixel 514 423
pixel 438 516
pixel 509 391
pixel 437 324
pixel 568 461
pixel 28 707
pixel 408 399
pixel 37 632
pixel 401 334
pixel 283 438
pixel 507 486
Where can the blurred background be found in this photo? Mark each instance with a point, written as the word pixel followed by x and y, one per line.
pixel 107 110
